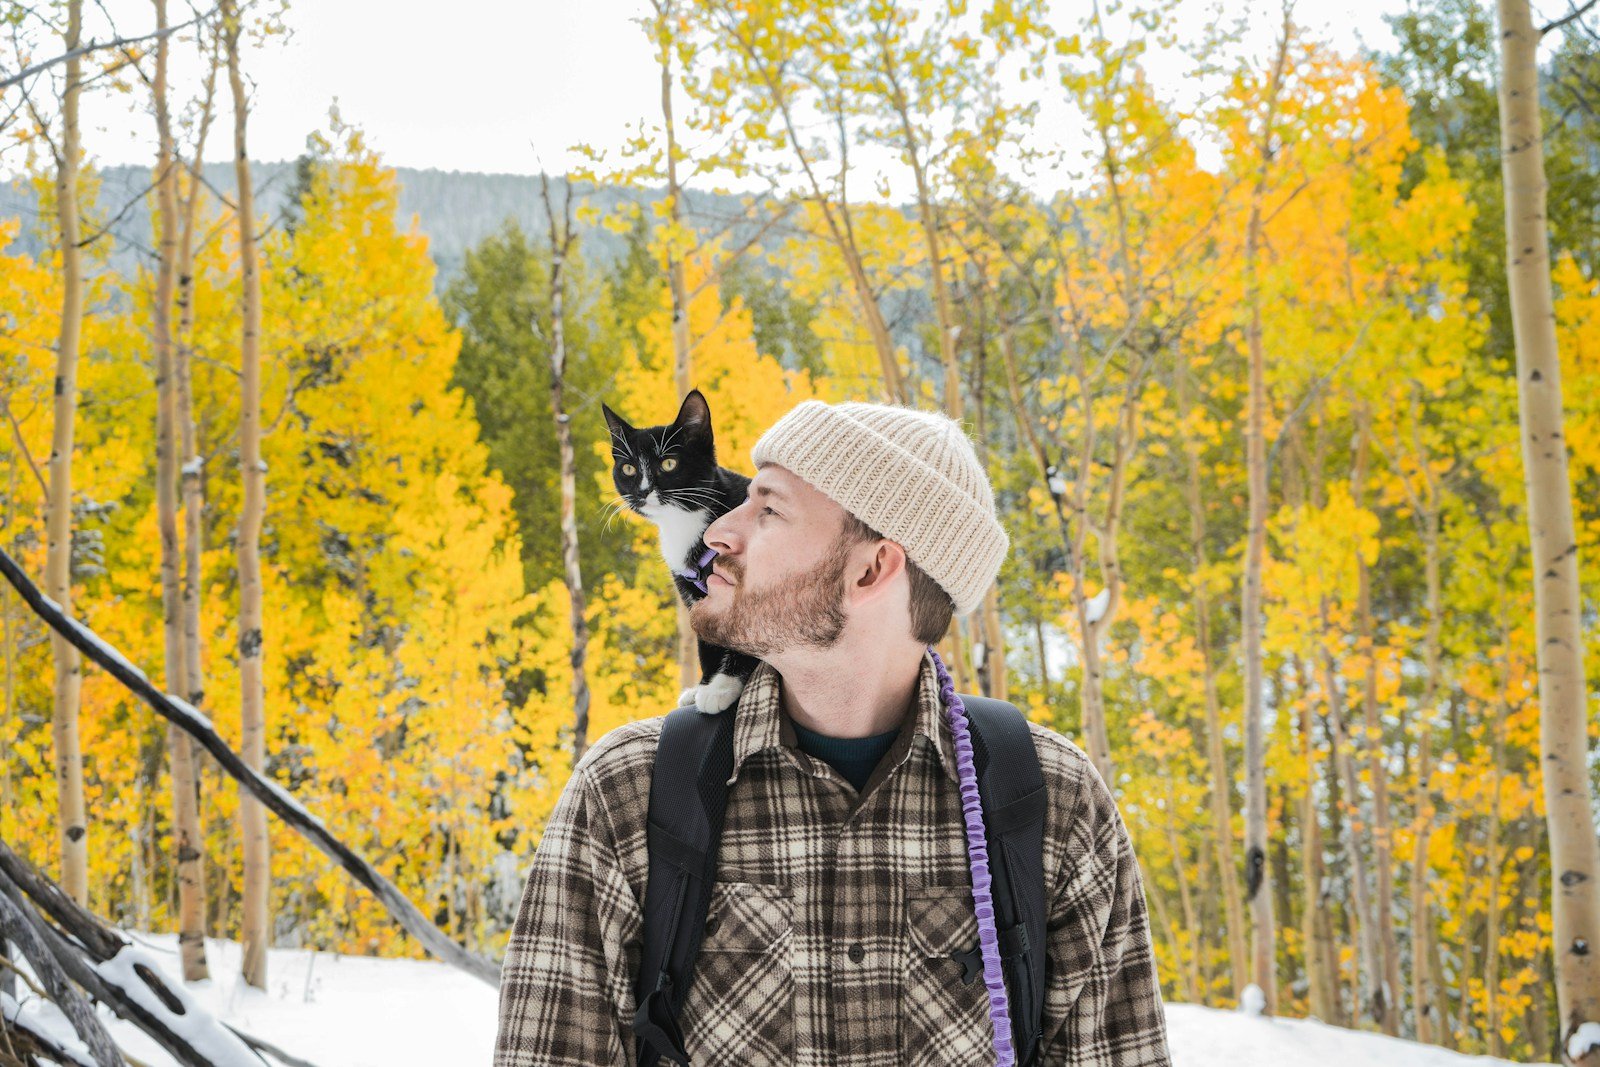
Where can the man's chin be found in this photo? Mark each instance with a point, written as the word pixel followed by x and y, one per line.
pixel 703 622
pixel 709 633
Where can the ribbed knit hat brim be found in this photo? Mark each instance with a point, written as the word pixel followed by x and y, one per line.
pixel 913 476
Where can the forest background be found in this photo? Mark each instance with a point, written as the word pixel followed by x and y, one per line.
pixel 450 602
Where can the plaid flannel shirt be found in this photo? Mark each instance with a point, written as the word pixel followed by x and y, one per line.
pixel 831 925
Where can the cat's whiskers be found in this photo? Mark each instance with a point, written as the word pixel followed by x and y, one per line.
pixel 703 497
pixel 616 506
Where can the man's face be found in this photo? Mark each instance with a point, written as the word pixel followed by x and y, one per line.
pixel 780 551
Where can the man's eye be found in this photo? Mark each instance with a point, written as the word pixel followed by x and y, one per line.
pixel 768 511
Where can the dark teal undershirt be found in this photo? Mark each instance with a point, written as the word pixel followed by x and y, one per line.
pixel 852 757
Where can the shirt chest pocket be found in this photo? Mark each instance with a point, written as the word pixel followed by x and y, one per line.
pixel 740 1007
pixel 943 1019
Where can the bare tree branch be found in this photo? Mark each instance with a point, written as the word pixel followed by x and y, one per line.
pixel 113 969
pixel 5 402
pixel 97 46
pixel 1572 16
pixel 23 928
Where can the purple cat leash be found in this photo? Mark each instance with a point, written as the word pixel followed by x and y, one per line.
pixel 978 859
pixel 697 577
pixel 977 844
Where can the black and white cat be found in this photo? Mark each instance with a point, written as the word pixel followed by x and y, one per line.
pixel 669 474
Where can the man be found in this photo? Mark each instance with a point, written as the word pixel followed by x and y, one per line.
pixel 843 888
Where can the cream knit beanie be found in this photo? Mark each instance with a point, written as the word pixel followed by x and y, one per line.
pixel 911 475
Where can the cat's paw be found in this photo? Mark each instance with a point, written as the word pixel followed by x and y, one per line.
pixel 720 693
pixel 686 697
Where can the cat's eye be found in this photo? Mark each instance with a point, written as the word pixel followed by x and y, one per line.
pixel 628 469
pixel 668 464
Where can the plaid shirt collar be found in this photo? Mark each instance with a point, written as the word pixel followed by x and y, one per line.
pixel 760 722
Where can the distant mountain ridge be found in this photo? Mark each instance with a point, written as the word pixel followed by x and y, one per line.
pixel 456 209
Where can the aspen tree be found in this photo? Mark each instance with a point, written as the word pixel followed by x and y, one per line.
pixel 665 28
pixel 256 924
pixel 767 57
pixel 1264 970
pixel 193 476
pixel 675 36
pixel 187 839
pixel 1426 508
pixel 919 72
pixel 561 238
pixel 1386 1004
pixel 1563 687
pixel 72 813
pixel 1221 776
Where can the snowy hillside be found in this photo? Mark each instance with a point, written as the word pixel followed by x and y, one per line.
pixel 354 1011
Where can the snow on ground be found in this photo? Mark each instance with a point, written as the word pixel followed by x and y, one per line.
pixel 1206 1037
pixel 356 1011
pixel 335 1010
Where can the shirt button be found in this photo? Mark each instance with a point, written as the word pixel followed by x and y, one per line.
pixel 857 953
pixel 711 925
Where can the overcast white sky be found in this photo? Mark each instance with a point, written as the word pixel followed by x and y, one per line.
pixel 484 85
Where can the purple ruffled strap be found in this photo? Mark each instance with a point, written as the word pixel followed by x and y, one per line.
pixel 697 577
pixel 978 857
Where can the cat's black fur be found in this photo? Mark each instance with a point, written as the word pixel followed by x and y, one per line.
pixel 682 501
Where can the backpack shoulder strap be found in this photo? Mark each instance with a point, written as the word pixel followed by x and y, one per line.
pixel 688 794
pixel 1011 786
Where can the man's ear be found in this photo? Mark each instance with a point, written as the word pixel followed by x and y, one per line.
pixel 887 560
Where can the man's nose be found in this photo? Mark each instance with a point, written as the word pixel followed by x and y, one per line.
pixel 721 533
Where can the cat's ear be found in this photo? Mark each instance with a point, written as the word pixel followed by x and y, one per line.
pixel 618 426
pixel 695 413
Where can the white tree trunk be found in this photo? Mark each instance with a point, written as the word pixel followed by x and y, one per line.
pixel 255 932
pixel 193 484
pixel 1263 956
pixel 1219 774
pixel 664 27
pixel 72 813
pixel 1425 996
pixel 1386 1004
pixel 560 246
pixel 1563 691
pixel 186 838
pixel 1264 967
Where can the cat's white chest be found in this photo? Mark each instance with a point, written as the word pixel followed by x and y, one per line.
pixel 679 531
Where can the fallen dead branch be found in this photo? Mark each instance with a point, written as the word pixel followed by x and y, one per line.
pixel 74 944
pixel 189 719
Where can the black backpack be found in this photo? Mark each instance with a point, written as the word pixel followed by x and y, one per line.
pixel 688 793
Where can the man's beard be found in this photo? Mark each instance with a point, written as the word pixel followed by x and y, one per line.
pixel 806 609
